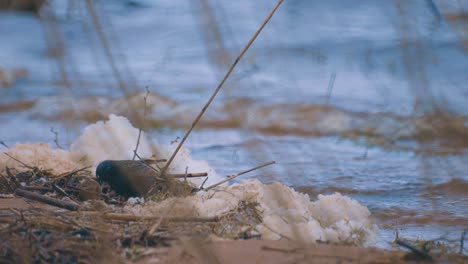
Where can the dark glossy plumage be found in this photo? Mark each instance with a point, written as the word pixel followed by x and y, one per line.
pixel 129 178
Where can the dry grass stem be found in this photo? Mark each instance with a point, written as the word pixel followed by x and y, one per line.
pixel 232 177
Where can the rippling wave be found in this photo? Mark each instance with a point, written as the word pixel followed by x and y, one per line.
pixel 454 187
pixel 436 132
pixel 400 216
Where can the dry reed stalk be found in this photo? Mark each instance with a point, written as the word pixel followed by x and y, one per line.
pixel 19 161
pixel 136 218
pixel 188 175
pixel 239 57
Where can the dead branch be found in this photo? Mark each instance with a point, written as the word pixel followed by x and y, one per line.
pixel 239 57
pixel 422 254
pixel 188 175
pixel 152 161
pixel 19 161
pixel 231 177
pixel 47 200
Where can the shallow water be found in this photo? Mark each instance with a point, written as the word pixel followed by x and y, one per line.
pixel 360 138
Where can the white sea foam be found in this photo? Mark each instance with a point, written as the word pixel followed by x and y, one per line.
pixel 116 139
pixel 113 139
pixel 285 212
pixel 39 155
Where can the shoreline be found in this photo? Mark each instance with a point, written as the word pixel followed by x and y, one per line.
pixel 218 250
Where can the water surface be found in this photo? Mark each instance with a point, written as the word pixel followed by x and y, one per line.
pixel 388 130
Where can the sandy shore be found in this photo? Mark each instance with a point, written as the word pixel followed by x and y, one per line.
pixel 188 250
pixel 268 251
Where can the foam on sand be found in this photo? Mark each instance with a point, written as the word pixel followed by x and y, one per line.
pixel 285 213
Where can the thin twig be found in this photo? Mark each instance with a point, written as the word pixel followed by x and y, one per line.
pixel 55 137
pixel 462 241
pixel 331 84
pixel 239 57
pixel 147 165
pixel 19 161
pixel 144 119
pixel 62 191
pixel 203 183
pixel 231 177
pixel 4 144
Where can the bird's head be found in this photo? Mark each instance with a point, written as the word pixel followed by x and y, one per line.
pixel 105 170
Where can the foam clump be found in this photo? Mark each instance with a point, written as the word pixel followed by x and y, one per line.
pixel 109 140
pixel 40 155
pixel 116 138
pixel 285 213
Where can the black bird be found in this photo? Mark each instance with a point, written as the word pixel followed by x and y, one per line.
pixel 129 178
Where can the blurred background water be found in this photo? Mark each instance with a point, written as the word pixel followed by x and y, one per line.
pixel 366 98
